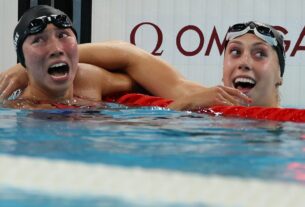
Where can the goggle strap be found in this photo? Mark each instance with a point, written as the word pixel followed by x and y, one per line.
pixel 233 35
pixel 271 40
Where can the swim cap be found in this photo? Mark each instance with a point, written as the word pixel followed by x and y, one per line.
pixel 35 21
pixel 265 32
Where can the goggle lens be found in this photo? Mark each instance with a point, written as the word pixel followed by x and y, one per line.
pixel 62 21
pixel 265 31
pixel 238 27
pixel 36 26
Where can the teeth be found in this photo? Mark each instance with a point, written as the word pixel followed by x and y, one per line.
pixel 244 80
pixel 58 69
pixel 58 65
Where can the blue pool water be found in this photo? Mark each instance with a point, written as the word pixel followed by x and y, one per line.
pixel 148 139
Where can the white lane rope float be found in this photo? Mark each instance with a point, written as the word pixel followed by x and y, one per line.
pixel 73 179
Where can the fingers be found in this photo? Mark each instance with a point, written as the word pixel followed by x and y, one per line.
pixel 1 76
pixel 235 96
pixel 4 82
pixel 225 100
pixel 7 90
pixel 219 95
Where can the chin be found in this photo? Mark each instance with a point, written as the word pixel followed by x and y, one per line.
pixel 57 89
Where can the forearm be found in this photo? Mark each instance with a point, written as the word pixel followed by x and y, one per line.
pixel 117 83
pixel 152 73
pixel 108 55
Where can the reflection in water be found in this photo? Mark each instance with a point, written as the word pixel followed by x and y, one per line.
pixel 297 170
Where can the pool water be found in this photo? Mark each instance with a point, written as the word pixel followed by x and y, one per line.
pixel 122 156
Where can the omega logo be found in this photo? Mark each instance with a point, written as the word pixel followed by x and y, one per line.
pixel 213 39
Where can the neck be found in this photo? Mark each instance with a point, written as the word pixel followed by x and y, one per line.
pixel 35 94
pixel 273 101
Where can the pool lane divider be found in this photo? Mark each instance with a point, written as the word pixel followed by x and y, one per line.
pixel 74 179
pixel 253 112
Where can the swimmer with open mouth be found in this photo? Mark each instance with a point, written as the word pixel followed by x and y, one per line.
pixel 254 62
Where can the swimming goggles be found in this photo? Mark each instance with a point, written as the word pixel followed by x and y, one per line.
pixel 39 24
pixel 260 30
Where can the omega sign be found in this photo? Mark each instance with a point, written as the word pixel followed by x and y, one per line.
pixel 213 38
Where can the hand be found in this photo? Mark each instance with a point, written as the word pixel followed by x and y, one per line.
pixel 12 79
pixel 218 95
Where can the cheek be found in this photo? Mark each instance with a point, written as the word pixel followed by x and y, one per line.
pixel 227 70
pixel 270 70
pixel 225 79
pixel 228 62
pixel 32 57
pixel 73 48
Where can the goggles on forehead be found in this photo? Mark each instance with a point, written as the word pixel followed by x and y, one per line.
pixel 39 24
pixel 260 30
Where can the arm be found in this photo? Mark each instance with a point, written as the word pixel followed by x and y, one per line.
pixel 102 82
pixel 157 76
pixel 152 73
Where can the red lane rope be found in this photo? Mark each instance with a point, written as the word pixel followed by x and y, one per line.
pixel 276 114
pixel 253 112
pixel 136 99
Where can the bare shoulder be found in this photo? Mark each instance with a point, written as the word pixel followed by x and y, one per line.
pixel 94 79
pixel 86 70
pixel 88 81
pixel 90 73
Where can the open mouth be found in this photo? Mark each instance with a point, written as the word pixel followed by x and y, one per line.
pixel 244 84
pixel 59 70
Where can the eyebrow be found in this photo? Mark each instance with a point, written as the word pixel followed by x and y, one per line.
pixel 258 43
pixel 235 42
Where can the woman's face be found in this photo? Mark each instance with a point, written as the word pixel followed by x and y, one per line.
pixel 252 66
pixel 51 58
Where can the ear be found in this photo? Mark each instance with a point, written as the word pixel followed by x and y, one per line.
pixel 280 82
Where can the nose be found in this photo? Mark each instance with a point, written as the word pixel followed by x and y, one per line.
pixel 245 61
pixel 55 47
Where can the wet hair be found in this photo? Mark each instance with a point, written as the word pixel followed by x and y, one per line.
pixel 23 30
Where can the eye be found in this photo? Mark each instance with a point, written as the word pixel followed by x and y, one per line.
pixel 235 52
pixel 37 40
pixel 260 54
pixel 63 34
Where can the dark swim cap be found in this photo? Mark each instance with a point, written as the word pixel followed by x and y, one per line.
pixel 35 21
pixel 265 32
